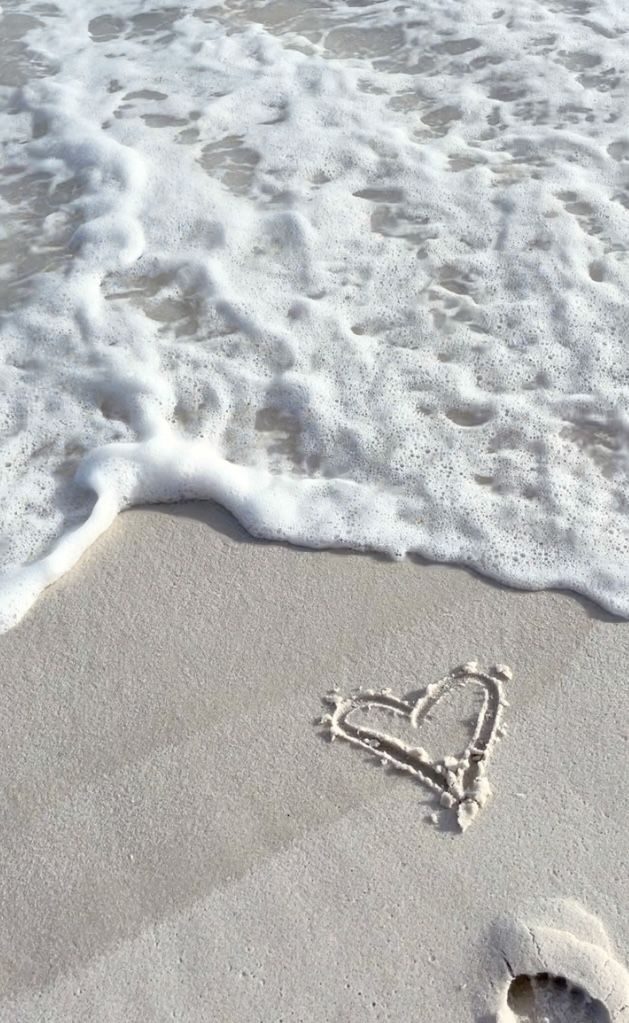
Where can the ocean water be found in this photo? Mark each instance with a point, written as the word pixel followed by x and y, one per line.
pixel 357 270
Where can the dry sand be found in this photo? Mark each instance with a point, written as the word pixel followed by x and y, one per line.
pixel 180 842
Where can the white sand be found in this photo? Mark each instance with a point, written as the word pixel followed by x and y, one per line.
pixel 179 841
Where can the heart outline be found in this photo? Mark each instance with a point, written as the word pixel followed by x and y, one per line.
pixel 461 782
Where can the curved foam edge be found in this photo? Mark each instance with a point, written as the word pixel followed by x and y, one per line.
pixel 167 468
pixel 560 938
pixel 309 512
pixel 20 590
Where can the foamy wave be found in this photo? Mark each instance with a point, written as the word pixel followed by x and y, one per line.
pixel 358 271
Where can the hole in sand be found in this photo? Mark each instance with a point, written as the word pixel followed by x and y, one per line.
pixel 381 194
pixel 106 27
pixel 596 272
pixel 456 46
pixel 442 116
pixel 469 416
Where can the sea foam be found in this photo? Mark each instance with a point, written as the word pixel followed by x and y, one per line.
pixel 356 270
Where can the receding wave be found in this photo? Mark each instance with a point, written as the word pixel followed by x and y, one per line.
pixel 358 270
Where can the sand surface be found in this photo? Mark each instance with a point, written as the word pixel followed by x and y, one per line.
pixel 180 842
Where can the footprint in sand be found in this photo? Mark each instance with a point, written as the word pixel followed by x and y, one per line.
pixel 546 999
pixel 561 968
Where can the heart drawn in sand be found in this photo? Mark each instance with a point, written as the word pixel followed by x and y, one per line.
pixel 459 780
